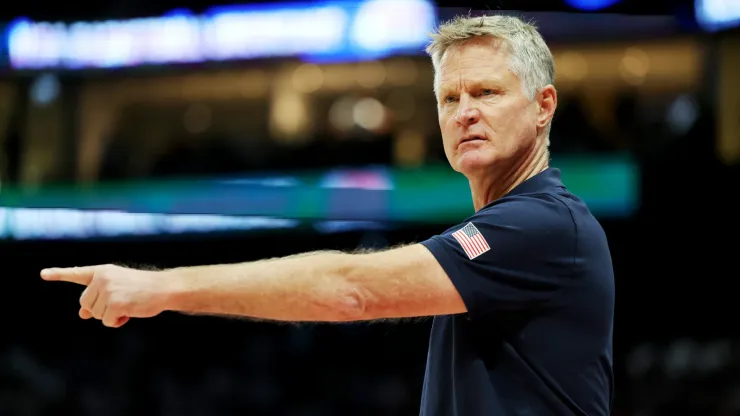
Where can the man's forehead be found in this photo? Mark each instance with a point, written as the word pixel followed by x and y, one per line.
pixel 454 80
pixel 486 43
pixel 471 71
pixel 471 56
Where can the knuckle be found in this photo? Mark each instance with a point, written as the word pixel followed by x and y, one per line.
pixel 102 279
pixel 117 305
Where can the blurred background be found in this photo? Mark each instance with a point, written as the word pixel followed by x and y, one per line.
pixel 173 133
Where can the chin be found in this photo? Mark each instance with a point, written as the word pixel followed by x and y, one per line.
pixel 472 162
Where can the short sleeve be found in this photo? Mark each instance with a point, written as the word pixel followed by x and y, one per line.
pixel 517 254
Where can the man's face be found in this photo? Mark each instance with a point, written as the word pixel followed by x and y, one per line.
pixel 485 118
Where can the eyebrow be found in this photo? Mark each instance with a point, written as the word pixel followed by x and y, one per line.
pixel 472 83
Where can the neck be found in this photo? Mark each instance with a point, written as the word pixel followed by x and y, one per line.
pixel 499 183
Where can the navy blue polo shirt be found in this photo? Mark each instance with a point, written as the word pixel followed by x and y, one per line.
pixel 535 273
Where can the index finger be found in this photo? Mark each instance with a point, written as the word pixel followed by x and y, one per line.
pixel 79 275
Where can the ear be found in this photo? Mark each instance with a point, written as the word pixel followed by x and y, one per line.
pixel 547 101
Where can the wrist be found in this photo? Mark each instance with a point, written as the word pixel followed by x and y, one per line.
pixel 174 289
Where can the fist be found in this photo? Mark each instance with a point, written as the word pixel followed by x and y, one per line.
pixel 114 294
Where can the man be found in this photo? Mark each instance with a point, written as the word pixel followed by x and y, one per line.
pixel 522 292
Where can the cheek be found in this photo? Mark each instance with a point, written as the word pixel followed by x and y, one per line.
pixel 513 120
pixel 448 131
pixel 525 130
pixel 529 121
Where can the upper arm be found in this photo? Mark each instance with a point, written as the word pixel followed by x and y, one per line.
pixel 403 282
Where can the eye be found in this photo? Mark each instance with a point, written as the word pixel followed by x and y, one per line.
pixel 450 99
pixel 488 91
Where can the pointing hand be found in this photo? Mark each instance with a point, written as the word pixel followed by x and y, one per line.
pixel 114 294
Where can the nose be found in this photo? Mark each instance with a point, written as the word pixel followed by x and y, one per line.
pixel 468 116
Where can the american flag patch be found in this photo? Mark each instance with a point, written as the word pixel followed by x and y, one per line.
pixel 471 240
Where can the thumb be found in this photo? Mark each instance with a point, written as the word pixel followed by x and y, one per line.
pixel 85 314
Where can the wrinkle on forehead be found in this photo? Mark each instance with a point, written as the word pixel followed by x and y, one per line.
pixel 496 44
pixel 453 65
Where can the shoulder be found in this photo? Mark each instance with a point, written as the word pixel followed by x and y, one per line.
pixel 517 252
pixel 525 230
pixel 545 215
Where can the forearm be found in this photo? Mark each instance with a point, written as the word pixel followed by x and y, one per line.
pixel 308 287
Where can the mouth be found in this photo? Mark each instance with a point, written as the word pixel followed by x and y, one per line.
pixel 472 138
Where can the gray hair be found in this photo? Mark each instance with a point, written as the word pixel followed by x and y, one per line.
pixel 529 56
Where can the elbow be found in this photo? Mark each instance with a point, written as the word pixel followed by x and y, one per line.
pixel 352 306
pixel 355 301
